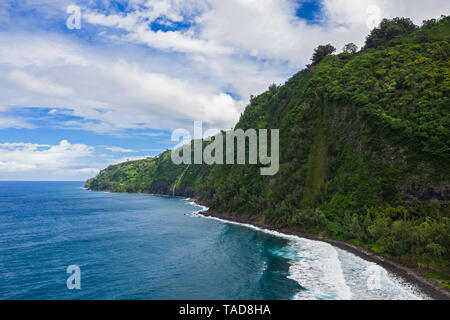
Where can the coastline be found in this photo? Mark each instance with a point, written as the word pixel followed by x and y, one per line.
pixel 427 286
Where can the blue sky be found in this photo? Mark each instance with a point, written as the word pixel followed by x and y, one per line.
pixel 75 101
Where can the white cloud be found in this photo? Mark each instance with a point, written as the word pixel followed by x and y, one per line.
pixel 22 145
pixel 269 29
pixel 14 122
pixel 47 162
pixel 61 161
pixel 136 23
pixel 28 50
pixel 354 13
pixel 119 149
pixel 114 92
pixel 40 85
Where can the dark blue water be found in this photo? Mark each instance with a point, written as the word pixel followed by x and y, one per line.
pixel 130 246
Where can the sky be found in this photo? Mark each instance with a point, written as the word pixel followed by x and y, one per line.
pixel 75 98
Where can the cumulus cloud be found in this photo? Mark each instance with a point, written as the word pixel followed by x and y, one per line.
pixel 50 161
pixel 237 46
pixel 115 93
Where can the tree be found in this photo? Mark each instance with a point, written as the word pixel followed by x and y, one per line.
pixel 350 48
pixel 321 52
pixel 441 52
pixel 388 30
pixel 273 88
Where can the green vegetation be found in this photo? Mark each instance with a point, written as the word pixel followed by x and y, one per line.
pixel 388 31
pixel 443 278
pixel 321 52
pixel 438 276
pixel 364 149
pixel 350 48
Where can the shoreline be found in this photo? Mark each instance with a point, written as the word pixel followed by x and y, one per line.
pixel 429 287
pixel 424 284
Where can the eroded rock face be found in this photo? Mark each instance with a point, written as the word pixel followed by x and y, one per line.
pixel 159 187
pixel 424 191
pixel 184 192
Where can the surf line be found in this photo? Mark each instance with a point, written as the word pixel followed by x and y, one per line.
pixel 348 294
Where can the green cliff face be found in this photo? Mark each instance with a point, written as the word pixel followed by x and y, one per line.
pixel 364 149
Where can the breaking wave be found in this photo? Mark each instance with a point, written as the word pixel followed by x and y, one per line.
pixel 326 272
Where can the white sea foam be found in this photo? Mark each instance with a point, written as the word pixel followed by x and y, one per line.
pixel 327 272
pixel 193 203
pixel 370 281
pixel 319 272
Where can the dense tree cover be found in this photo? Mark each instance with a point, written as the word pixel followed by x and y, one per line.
pixel 364 149
pixel 388 30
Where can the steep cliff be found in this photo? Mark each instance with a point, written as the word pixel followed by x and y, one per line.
pixel 364 149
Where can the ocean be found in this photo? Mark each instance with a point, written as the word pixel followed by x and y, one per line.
pixel 139 246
